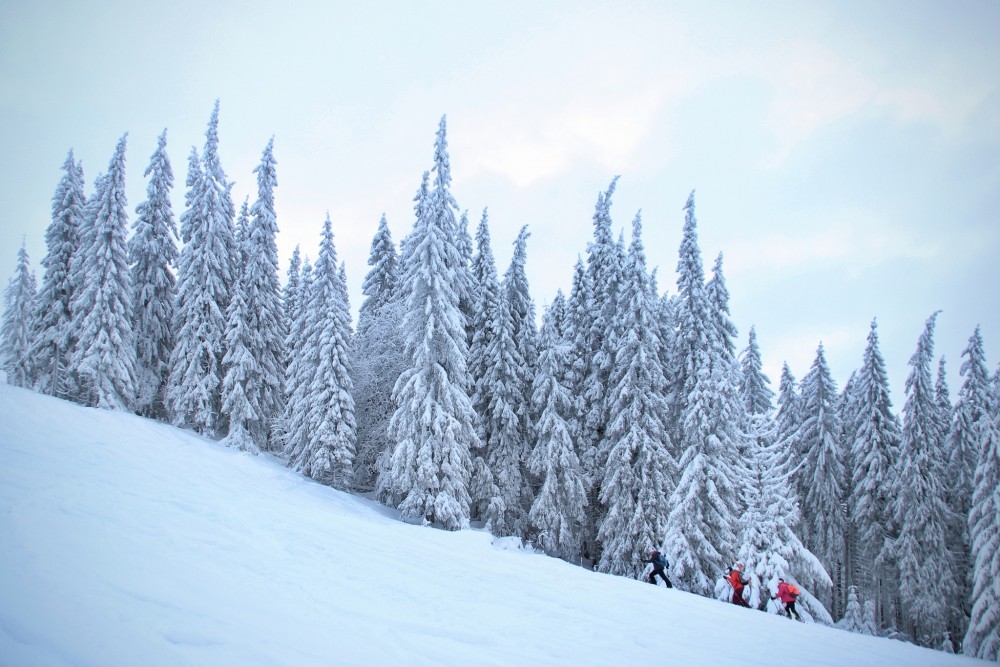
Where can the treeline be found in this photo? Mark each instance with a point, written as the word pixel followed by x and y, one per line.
pixel 627 421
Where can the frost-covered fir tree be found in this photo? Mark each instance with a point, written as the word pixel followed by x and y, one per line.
pixel 302 362
pixel 853 620
pixel 769 544
pixel 971 415
pixel 704 508
pixel 594 316
pixel 330 435
pixel 578 317
pixel 787 421
pixel 153 253
pixel 204 278
pixel 640 472
pixel 822 472
pixel 983 636
pixel 503 422
pixel 522 313
pixel 488 501
pixel 263 313
pixel 875 439
pixel 52 337
pixel 104 356
pixel 919 506
pixel 603 278
pixel 377 354
pixel 506 388
pixel 241 372
pixel 15 330
pixel 557 513
pixel 433 427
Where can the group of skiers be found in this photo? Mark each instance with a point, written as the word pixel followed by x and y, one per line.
pixel 787 593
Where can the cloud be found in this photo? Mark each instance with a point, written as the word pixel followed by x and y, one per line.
pixel 855 240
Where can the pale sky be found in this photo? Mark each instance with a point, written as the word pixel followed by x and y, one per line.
pixel 846 155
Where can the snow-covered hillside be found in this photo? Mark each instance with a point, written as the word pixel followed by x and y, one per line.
pixel 125 542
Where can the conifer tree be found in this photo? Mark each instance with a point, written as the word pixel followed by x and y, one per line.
pixel 919 507
pixel 52 337
pixel 204 278
pixel 302 363
pixel 507 423
pixel 104 356
pixel 330 437
pixel 15 330
pixel 242 371
pixel 982 639
pixel 875 438
pixel 557 513
pixel 153 253
pixel 769 544
pixel 264 315
pixel 377 354
pixel 503 427
pixel 488 503
pixel 704 506
pixel 822 472
pixel 640 472
pixel 971 416
pixel 433 427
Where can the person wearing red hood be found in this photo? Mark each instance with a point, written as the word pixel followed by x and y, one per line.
pixel 788 594
pixel 736 579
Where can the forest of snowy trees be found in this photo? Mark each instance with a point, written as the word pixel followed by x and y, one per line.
pixel 625 418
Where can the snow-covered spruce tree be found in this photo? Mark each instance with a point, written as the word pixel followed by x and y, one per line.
pixel 787 421
pixel 578 316
pixel 433 427
pixel 822 473
pixel 241 372
pixel 104 356
pixel 15 330
pixel 595 323
pixel 507 425
pixel 704 506
pixel 640 473
pixel 264 314
pixel 982 639
pixel 557 513
pixel 769 543
pixel 919 505
pixel 853 620
pixel 875 439
pixel 330 429
pixel 204 278
pixel 52 336
pixel 488 503
pixel 303 360
pixel 503 427
pixel 522 313
pixel 848 409
pixel 377 356
pixel 153 253
pixel 971 415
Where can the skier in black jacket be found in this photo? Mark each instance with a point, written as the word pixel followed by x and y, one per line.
pixel 659 562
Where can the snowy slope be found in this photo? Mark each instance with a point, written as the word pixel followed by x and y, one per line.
pixel 124 542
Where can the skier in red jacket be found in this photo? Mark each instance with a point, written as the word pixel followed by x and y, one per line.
pixel 736 579
pixel 788 594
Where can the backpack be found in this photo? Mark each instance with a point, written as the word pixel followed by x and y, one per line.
pixel 793 590
pixel 660 560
